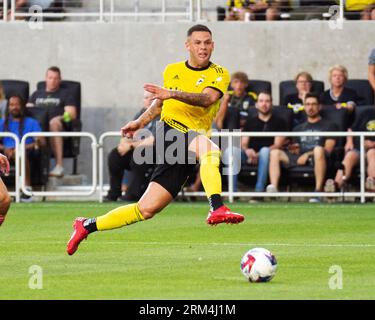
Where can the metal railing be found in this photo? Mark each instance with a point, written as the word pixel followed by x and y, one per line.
pixel 91 189
pixel 102 139
pixel 190 10
pixel 103 11
pixel 362 194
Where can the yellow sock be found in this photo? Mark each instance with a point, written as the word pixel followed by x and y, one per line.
pixel 210 174
pixel 119 217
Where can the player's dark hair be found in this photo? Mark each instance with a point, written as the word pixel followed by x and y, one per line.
pixel 55 69
pixel 312 95
pixel 197 28
pixel 23 114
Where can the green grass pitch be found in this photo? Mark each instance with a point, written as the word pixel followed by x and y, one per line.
pixel 177 256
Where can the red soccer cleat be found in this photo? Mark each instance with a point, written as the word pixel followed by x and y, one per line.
pixel 223 214
pixel 78 235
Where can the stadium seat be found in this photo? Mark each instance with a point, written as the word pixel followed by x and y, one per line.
pixel 16 86
pixel 259 85
pixel 363 89
pixel 256 86
pixel 288 87
pixel 71 145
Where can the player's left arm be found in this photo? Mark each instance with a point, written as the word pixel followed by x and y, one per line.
pixel 206 98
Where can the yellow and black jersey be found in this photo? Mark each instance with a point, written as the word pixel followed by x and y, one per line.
pixel 181 76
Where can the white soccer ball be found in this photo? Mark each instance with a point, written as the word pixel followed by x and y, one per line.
pixel 258 265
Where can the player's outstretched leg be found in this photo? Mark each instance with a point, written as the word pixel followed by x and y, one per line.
pixel 153 201
pixel 211 180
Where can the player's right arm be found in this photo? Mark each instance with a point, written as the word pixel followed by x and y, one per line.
pixel 150 114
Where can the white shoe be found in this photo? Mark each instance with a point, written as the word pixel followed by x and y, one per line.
pixel 58 171
pixel 26 198
pixel 271 188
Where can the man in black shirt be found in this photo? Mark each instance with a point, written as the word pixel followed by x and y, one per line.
pixel 305 148
pixel 352 148
pixel 256 150
pixel 61 110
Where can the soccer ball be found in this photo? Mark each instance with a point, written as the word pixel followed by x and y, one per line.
pixel 258 265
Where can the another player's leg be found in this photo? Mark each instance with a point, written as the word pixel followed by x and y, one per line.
pixel 5 201
pixel 153 201
pixel 209 156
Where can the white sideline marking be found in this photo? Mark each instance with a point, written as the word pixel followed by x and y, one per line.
pixel 157 243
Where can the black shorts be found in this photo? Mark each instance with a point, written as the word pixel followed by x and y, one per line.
pixel 173 169
pixel 294 157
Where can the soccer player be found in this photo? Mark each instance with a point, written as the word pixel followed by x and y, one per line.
pixel 187 103
pixel 5 199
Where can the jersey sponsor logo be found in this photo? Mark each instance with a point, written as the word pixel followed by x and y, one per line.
pixel 176 77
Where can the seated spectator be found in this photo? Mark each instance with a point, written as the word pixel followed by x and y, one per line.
pixel 354 9
pixel 61 111
pixel 16 122
pixel 256 150
pixel 305 150
pixel 351 159
pixel 234 107
pixel 3 102
pixel 371 69
pixel 368 13
pixel 295 101
pixel 255 9
pixel 338 94
pixel 121 159
pixel 276 8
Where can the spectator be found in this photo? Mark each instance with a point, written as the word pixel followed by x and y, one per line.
pixel 256 150
pixel 368 13
pixel 275 9
pixel 234 107
pixel 338 94
pixel 121 158
pixel 61 112
pixel 371 69
pixel 305 150
pixel 255 9
pixel 18 123
pixel 294 101
pixel 351 159
pixel 258 9
pixel 3 102
pixel 355 9
pixel 236 9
